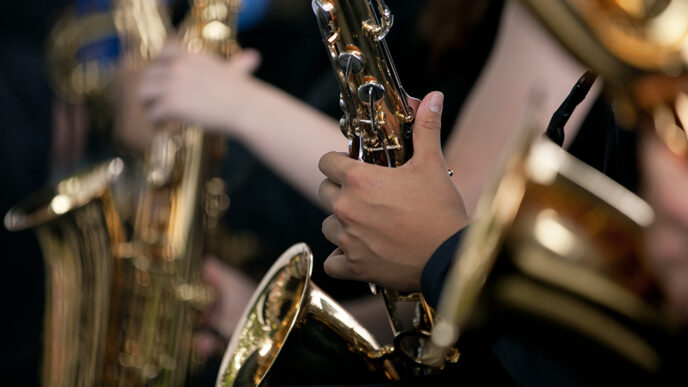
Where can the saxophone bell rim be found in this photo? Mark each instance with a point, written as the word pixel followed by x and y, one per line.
pixel 282 263
pixel 67 195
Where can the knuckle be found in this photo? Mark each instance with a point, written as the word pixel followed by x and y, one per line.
pixel 345 241
pixel 324 162
pixel 354 176
pixel 357 268
pixel 429 121
pixel 342 211
pixel 327 225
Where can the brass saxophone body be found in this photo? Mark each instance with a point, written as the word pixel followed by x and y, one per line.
pixel 557 244
pixel 77 224
pixel 377 118
pixel 290 328
pixel 158 276
pixel 293 333
pixel 378 122
pixel 122 303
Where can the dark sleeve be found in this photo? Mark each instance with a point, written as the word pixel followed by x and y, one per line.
pixel 603 145
pixel 435 271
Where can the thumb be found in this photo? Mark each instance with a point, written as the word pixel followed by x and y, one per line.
pixel 337 266
pixel 426 129
pixel 246 61
pixel 213 273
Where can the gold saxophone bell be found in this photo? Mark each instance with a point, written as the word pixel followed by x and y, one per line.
pixel 292 332
pixel 75 77
pixel 122 302
pixel 627 42
pixel 77 224
pixel 558 246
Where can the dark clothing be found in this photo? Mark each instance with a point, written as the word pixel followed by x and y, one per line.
pixel 435 271
pixel 600 143
pixel 535 352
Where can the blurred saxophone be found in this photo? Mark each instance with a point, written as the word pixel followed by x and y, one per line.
pixel 81 50
pixel 558 245
pixel 158 273
pixel 120 310
pixel 291 332
pixel 77 224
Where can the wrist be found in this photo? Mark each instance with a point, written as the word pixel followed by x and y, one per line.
pixel 436 268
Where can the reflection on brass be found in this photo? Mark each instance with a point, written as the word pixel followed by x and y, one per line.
pixel 76 238
pixel 159 286
pixel 377 118
pixel 566 309
pixel 565 235
pixel 558 241
pixel 74 78
pixel 378 123
pixel 641 50
pixel 121 309
pixel 317 341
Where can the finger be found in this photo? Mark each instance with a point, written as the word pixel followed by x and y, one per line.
pixel 159 111
pixel 149 90
pixel 426 129
pixel 156 72
pixel 332 229
pixel 413 103
pixel 213 272
pixel 337 266
pixel 247 61
pixel 334 166
pixel 208 344
pixel 170 51
pixel 328 192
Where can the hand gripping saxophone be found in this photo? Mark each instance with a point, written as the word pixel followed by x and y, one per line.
pixel 558 246
pixel 378 123
pixel 291 332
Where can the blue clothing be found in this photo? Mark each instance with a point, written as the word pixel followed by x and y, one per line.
pixel 436 269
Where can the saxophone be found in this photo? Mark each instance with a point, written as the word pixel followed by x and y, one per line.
pixel 121 309
pixel 289 319
pixel 559 246
pixel 77 223
pixel 158 274
pixel 378 123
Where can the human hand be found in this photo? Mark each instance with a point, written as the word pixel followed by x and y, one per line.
pixel 233 289
pixel 664 186
pixel 196 88
pixel 132 129
pixel 387 222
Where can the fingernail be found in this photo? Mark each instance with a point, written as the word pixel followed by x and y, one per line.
pixel 436 102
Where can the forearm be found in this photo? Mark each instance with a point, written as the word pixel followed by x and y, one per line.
pixel 525 61
pixel 288 135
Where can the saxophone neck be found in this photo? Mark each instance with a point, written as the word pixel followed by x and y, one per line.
pixel 377 118
pixel 143 27
pixel 211 26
